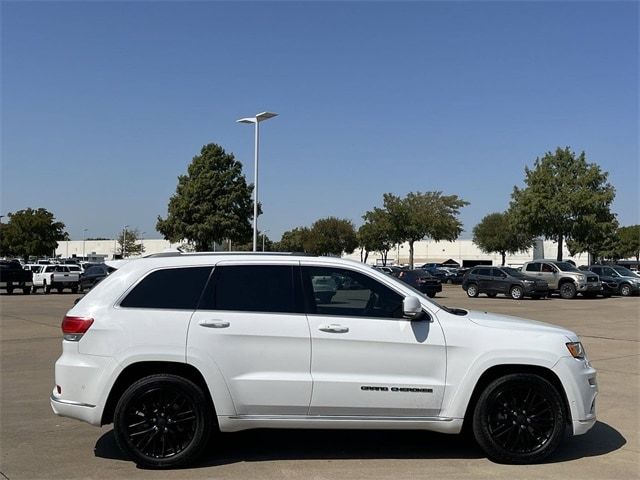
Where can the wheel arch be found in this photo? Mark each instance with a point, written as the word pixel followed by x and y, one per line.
pixel 498 371
pixel 139 370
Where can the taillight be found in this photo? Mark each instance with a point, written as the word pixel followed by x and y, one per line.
pixel 74 327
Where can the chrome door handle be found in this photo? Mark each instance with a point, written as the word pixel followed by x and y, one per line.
pixel 333 328
pixel 214 323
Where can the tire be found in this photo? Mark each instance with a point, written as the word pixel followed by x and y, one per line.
pixel 74 289
pixel 47 288
pixel 568 290
pixel 59 289
pixel 163 421
pixel 625 290
pixel 26 291
pixel 516 292
pixel 519 418
pixel 431 294
pixel 491 295
pixel 9 290
pixel 472 290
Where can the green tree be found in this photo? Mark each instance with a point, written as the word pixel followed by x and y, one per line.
pixel 296 240
pixel 376 234
pixel 565 198
pixel 263 239
pixel 599 241
pixel 629 242
pixel 212 202
pixel 496 232
pixel 31 232
pixel 332 236
pixel 424 215
pixel 128 243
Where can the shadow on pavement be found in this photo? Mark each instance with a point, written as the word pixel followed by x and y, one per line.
pixel 268 445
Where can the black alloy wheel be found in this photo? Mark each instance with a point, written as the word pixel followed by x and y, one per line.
pixel 162 421
pixel 519 418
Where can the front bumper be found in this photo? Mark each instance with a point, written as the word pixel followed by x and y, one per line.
pixel 589 287
pixel 578 378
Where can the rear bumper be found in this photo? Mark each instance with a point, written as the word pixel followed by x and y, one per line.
pixel 80 411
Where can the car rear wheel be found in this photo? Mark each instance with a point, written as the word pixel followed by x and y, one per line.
pixel 163 421
pixel 519 418
pixel 568 290
pixel 26 290
pixel 431 294
pixel 625 290
pixel 516 292
pixel 472 290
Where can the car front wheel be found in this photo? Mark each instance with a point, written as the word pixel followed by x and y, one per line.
pixel 519 418
pixel 163 421
pixel 568 290
pixel 472 290
pixel 516 292
pixel 625 290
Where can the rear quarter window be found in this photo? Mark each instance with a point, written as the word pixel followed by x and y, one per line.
pixel 169 288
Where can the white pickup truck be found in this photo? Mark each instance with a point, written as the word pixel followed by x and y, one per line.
pixel 58 277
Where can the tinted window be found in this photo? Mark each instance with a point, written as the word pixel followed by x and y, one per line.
pixel 171 288
pixel 513 272
pixel 624 271
pixel 545 267
pixel 496 272
pixel 252 288
pixel 483 271
pixel 95 271
pixel 354 294
pixel 533 267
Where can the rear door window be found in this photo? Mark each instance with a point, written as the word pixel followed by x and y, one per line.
pixel 169 288
pixel 533 267
pixel 254 288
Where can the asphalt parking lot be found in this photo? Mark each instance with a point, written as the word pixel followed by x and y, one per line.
pixel 35 444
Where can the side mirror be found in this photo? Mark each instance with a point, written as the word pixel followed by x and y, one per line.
pixel 412 308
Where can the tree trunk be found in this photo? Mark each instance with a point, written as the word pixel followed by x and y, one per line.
pixel 560 239
pixel 504 254
pixel 366 255
pixel 384 257
pixel 411 254
pixel 361 253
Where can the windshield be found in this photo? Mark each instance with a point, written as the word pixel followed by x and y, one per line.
pixel 566 267
pixel 624 271
pixel 513 272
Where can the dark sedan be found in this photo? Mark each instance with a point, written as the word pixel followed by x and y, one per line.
pixel 420 280
pixel 94 274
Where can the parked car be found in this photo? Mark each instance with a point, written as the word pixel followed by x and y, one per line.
pixel 14 277
pixel 442 274
pixel 94 274
pixel 169 348
pixel 460 274
pixel 421 280
pixel 56 277
pixel 503 280
pixel 627 282
pixel 564 278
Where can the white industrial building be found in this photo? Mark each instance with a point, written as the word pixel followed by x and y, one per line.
pixel 463 252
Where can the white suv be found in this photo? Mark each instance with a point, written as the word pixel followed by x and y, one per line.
pixel 175 346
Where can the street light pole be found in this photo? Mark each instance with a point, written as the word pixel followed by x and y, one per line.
pixel 124 241
pixel 84 234
pixel 256 120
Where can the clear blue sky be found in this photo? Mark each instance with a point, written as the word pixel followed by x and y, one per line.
pixel 105 104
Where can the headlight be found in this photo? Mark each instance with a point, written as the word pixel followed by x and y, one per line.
pixel 582 278
pixel 576 350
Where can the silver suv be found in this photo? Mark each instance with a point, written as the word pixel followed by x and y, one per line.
pixel 564 278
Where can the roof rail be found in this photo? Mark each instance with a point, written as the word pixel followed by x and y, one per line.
pixel 179 254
